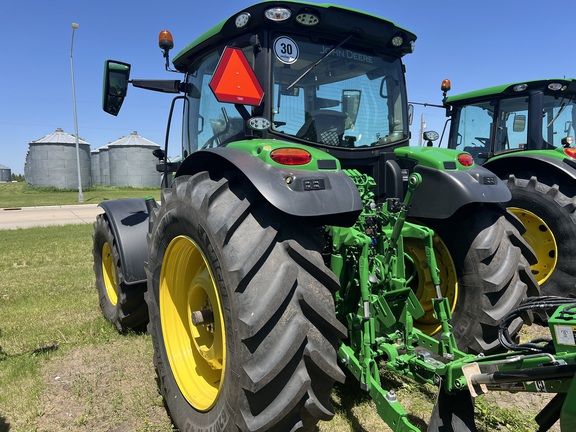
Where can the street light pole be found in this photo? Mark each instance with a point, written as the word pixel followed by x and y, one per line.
pixel 80 194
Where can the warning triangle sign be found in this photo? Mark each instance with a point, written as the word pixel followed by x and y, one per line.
pixel 234 80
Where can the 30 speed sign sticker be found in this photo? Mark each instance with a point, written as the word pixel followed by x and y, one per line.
pixel 286 50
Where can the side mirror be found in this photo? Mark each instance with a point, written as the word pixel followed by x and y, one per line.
pixel 519 123
pixel 351 104
pixel 116 78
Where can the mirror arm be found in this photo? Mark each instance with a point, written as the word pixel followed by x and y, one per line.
pixel 164 86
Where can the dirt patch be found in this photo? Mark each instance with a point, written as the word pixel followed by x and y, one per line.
pixel 529 403
pixel 109 387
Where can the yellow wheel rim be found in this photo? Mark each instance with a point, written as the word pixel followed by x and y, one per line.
pixel 422 283
pixel 540 237
pixel 109 274
pixel 196 353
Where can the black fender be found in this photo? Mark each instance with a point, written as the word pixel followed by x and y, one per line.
pixel 563 171
pixel 129 223
pixel 324 197
pixel 442 192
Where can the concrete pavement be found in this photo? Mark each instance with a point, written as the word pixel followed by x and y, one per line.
pixel 27 217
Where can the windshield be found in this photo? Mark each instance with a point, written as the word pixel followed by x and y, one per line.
pixel 558 119
pixel 349 98
pixel 475 125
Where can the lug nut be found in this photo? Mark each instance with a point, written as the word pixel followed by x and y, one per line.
pixel 204 316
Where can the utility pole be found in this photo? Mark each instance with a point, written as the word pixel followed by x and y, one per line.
pixel 80 194
pixel 422 129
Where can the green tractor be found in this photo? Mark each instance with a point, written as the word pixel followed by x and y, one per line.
pixel 524 133
pixel 300 230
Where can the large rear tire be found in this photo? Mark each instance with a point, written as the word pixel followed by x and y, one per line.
pixel 121 304
pixel 267 358
pixel 491 263
pixel 550 220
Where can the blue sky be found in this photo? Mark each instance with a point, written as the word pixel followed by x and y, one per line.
pixel 475 44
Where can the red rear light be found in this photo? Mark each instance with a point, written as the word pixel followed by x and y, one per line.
pixel 465 159
pixel 570 152
pixel 290 156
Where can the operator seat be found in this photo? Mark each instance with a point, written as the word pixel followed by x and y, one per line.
pixel 396 134
pixel 324 126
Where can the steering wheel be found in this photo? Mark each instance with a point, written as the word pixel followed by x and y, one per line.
pixel 484 141
pixel 210 141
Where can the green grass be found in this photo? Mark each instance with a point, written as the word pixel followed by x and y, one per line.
pixel 21 194
pixel 63 367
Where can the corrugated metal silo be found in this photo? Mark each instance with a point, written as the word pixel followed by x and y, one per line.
pixel 5 174
pixel 104 162
pixel 95 166
pixel 51 161
pixel 132 162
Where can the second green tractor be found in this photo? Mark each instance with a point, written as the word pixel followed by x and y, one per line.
pixel 524 133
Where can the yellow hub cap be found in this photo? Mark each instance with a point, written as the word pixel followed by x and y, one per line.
pixel 197 353
pixel 422 282
pixel 109 274
pixel 540 237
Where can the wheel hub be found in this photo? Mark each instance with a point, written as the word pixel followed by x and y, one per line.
pixel 541 239
pixel 422 284
pixel 196 350
pixel 109 274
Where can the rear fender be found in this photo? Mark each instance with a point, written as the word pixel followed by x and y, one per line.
pixel 564 171
pixel 129 223
pixel 324 197
pixel 443 192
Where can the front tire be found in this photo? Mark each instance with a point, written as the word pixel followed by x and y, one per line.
pixel 550 220
pixel 490 261
pixel 122 304
pixel 267 358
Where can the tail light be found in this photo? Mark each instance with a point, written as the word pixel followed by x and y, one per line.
pixel 570 152
pixel 290 156
pixel 465 159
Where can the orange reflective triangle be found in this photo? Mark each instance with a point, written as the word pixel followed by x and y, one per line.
pixel 234 80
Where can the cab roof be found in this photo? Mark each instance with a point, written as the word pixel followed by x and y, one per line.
pixel 367 29
pixel 568 85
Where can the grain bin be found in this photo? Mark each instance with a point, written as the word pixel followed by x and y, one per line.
pixel 104 164
pixel 52 161
pixel 5 174
pixel 95 166
pixel 132 163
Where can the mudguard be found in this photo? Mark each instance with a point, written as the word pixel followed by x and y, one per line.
pixel 129 223
pixel 442 192
pixel 564 170
pixel 325 197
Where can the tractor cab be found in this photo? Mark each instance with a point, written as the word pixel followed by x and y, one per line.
pixel 534 115
pixel 315 75
pixel 328 77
